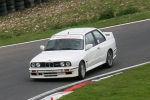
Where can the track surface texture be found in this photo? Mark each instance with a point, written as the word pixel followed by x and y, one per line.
pixel 133 45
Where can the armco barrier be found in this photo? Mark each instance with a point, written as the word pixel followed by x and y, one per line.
pixel 10 6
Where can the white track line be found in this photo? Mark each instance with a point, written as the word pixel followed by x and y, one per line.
pixel 100 28
pixel 126 24
pixel 96 80
pixel 23 43
pixel 68 85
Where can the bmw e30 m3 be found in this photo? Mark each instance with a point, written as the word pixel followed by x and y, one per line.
pixel 73 52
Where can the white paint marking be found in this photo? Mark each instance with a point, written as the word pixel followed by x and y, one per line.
pixel 23 43
pixel 118 73
pixel 68 85
pixel 100 28
pixel 125 24
pixel 56 96
pixel 106 77
pixel 102 78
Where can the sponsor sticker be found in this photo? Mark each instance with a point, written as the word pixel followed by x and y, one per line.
pixel 67 37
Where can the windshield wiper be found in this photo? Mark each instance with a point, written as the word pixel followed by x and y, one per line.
pixel 49 49
pixel 69 49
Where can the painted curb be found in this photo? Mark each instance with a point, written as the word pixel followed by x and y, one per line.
pixel 67 91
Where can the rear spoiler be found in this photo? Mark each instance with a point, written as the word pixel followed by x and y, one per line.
pixel 108 35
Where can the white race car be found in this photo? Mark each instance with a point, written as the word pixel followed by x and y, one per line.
pixel 73 52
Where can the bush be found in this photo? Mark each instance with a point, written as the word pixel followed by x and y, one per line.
pixel 129 10
pixel 57 26
pixel 109 13
pixel 5 36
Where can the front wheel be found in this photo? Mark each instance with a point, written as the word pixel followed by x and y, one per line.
pixel 109 59
pixel 82 70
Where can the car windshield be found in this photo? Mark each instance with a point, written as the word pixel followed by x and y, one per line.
pixel 64 44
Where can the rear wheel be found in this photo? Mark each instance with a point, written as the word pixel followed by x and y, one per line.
pixel 109 59
pixel 82 70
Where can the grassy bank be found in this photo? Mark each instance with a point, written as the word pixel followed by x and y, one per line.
pixel 133 84
pixel 48 18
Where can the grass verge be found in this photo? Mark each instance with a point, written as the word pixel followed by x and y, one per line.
pixel 133 84
pixel 7 39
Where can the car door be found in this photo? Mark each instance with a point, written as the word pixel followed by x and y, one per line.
pixel 101 44
pixel 92 57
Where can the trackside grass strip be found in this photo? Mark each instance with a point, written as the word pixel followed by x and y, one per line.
pixel 133 84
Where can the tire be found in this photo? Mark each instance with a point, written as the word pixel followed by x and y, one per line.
pixel 11 11
pixel 20 8
pixel 11 7
pixel 19 3
pixel 3 13
pixel 109 59
pixel 28 1
pixel 29 5
pixel 18 0
pixel 44 0
pixel 10 2
pixel 37 2
pixel 81 70
pixel 2 4
pixel 2 1
pixel 2 9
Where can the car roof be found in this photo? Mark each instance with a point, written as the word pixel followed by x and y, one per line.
pixel 77 31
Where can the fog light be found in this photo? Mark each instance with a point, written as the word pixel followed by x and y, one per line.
pixel 66 70
pixel 33 71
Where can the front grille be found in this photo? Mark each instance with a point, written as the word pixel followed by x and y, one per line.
pixel 56 64
pixel 42 64
pixel 49 64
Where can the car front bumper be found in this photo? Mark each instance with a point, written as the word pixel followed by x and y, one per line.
pixel 61 72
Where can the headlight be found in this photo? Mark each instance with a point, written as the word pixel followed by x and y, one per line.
pixel 68 64
pixel 37 64
pixel 32 64
pixel 62 64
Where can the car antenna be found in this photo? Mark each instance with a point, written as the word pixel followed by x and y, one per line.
pixel 68 32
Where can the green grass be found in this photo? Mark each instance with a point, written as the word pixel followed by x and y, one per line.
pixel 7 39
pixel 132 84
pixel 48 18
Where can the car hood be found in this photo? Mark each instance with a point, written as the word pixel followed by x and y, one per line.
pixel 47 56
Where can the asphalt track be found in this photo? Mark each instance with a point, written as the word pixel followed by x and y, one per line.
pixel 133 44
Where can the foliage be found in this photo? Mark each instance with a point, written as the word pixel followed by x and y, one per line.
pixel 126 11
pixel 109 13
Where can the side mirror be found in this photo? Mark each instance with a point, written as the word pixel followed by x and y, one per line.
pixel 88 46
pixel 42 47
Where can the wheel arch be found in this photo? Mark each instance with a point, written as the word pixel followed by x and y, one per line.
pixel 110 49
pixel 84 63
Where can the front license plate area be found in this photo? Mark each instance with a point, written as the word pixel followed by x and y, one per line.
pixel 50 75
pixel 51 71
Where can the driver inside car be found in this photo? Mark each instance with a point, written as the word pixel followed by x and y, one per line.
pixel 60 44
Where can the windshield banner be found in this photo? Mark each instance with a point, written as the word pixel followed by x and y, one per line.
pixel 67 37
